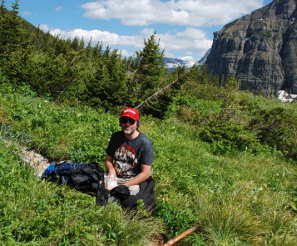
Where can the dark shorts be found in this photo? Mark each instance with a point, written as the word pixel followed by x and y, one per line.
pixel 146 193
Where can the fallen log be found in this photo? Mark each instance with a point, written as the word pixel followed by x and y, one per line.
pixel 182 235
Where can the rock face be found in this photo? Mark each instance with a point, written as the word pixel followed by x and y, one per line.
pixel 259 49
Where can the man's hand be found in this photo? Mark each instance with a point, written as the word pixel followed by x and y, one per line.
pixel 109 166
pixel 111 182
pixel 111 179
pixel 141 177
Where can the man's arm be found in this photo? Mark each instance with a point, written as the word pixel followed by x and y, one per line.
pixel 141 177
pixel 109 166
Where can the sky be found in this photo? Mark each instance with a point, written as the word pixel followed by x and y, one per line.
pixel 184 27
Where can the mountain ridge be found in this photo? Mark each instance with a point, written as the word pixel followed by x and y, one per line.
pixel 259 49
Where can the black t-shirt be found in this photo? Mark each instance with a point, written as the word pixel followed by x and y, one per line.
pixel 129 155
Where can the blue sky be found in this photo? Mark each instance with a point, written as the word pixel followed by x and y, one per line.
pixel 185 27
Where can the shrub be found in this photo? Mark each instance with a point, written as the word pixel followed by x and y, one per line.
pixel 193 110
pixel 226 136
pixel 3 78
pixel 277 128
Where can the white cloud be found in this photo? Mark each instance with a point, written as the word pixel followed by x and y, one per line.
pixel 44 27
pixel 148 31
pixel 26 13
pixel 125 53
pixel 95 36
pixel 59 8
pixel 175 12
pixel 190 61
pixel 191 39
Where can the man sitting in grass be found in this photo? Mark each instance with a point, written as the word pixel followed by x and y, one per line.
pixel 129 163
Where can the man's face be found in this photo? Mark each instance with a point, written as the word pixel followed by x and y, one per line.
pixel 129 126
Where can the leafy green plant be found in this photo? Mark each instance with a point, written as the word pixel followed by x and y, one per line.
pixel 193 110
pixel 227 137
pixel 277 128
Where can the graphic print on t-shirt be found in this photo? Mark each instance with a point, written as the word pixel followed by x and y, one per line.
pixel 125 160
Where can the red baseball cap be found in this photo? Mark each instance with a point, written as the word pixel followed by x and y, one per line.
pixel 130 112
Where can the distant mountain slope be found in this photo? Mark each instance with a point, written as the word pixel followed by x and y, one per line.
pixel 204 58
pixel 260 49
pixel 172 63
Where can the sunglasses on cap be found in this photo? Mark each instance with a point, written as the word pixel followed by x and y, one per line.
pixel 125 120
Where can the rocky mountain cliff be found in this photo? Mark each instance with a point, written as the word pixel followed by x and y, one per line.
pixel 259 49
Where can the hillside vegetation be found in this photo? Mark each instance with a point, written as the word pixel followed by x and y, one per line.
pixel 247 195
pixel 225 159
pixel 75 71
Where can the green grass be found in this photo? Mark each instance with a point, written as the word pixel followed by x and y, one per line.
pixel 55 131
pixel 240 198
pixel 235 197
pixel 41 213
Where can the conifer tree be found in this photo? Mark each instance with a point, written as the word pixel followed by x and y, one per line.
pixel 150 69
pixel 10 35
pixel 108 88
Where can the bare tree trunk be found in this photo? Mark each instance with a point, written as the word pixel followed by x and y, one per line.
pixel 156 94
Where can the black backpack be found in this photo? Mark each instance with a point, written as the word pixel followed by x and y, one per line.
pixel 89 178
pixel 84 177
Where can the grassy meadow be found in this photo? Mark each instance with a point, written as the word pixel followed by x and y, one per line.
pixel 216 164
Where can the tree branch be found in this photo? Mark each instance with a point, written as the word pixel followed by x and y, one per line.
pixel 156 94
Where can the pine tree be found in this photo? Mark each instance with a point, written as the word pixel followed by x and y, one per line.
pixel 10 35
pixel 150 69
pixel 108 88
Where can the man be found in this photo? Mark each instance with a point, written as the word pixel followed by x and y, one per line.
pixel 129 163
